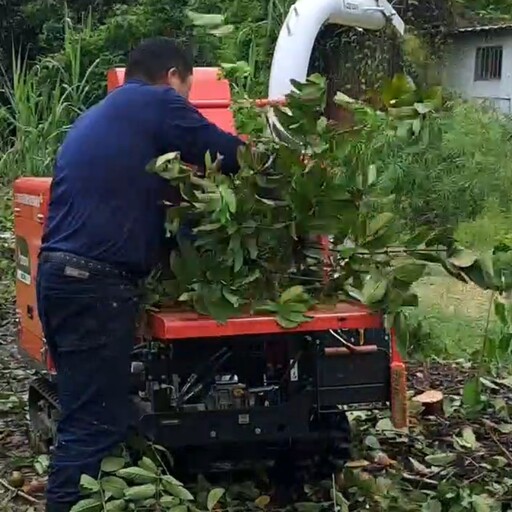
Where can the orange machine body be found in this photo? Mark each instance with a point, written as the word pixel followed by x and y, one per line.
pixel 212 97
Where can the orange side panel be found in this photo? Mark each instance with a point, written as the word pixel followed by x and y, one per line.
pixel 209 94
pixel 30 345
pixel 31 196
pixel 223 118
pixel 206 84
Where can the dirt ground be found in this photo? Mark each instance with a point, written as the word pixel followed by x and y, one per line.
pixel 15 454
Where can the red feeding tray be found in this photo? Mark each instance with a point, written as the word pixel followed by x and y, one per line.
pixel 176 325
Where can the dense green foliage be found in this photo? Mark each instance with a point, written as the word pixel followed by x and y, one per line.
pixel 487 8
pixel 459 174
pixel 77 42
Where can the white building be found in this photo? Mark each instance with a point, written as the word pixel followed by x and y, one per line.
pixel 479 65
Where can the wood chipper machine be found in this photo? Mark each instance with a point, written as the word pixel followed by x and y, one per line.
pixel 248 382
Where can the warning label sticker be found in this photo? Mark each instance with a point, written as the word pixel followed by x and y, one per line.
pixel 23 272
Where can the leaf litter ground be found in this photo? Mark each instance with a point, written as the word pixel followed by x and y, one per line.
pixel 455 461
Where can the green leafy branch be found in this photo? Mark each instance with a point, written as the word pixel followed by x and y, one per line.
pixel 255 235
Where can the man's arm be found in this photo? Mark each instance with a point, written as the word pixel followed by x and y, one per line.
pixel 186 130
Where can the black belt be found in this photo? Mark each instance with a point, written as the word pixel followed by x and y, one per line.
pixel 87 265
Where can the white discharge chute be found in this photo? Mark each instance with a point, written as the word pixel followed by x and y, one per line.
pixel 298 33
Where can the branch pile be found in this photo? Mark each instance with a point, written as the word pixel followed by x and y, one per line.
pixel 252 242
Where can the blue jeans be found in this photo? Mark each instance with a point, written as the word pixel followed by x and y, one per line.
pixel 88 312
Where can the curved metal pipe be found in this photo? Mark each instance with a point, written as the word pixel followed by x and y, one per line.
pixel 298 33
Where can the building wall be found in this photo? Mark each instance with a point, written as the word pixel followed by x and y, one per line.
pixel 459 68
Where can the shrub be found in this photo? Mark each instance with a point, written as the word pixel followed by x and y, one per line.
pixel 43 101
pixel 465 161
pixel 490 228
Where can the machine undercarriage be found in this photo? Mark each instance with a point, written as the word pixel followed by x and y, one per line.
pixel 248 399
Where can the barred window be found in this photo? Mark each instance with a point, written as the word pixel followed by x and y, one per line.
pixel 488 63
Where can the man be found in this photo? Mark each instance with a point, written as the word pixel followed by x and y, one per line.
pixel 104 232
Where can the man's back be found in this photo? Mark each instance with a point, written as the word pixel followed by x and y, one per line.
pixel 104 205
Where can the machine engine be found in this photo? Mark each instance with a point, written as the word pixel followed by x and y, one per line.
pixel 267 386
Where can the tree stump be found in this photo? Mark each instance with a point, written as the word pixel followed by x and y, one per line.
pixel 432 402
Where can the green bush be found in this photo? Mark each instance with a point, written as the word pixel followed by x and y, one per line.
pixel 463 163
pixel 492 227
pixel 40 111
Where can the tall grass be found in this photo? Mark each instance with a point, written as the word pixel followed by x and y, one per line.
pixel 43 100
pixel 464 166
pixel 492 227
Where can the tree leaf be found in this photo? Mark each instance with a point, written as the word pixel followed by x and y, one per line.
pixel 441 459
pixel 166 158
pixel 137 475
pixel 169 501
pixel 291 294
pixel 115 506
pixel 483 503
pixel 205 20
pixel 372 442
pixel 208 227
pixel 471 397
pixel 419 468
pixel 214 496
pixel 234 299
pixel 140 492
pixel 374 289
pixel 402 333
pixel 469 437
pixel 432 506
pixel 308 507
pixel 88 484
pixel 177 490
pixel 171 480
pixel 87 505
pixel 380 222
pixel 219 308
pixel 488 384
pixel 420 237
pixel 285 323
pixel 41 464
pixel 221 31
pixel 498 461
pixel 179 508
pixel 371 174
pixel 343 99
pixel 271 202
pixel 423 108
pixel 148 465
pixel 416 126
pixel 229 198
pixel 112 464
pixel 463 258
pixel 500 311
pixel 252 247
pixel 114 485
pixel 409 272
pixel 262 501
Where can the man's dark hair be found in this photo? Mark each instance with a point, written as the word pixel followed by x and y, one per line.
pixel 152 59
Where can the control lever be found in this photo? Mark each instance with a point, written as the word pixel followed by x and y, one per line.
pixel 212 364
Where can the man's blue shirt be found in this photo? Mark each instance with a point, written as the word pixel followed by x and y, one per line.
pixel 104 205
